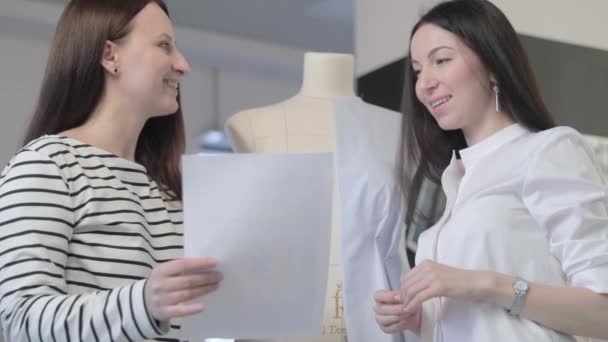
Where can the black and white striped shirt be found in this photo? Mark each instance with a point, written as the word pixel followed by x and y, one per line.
pixel 80 231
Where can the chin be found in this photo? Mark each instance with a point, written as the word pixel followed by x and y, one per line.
pixel 446 125
pixel 164 112
pixel 173 109
pixel 168 109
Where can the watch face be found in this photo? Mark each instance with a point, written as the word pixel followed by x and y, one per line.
pixel 521 285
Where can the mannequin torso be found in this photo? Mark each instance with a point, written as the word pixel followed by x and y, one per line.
pixel 305 123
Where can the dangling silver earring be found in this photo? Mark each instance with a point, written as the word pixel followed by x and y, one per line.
pixel 496 92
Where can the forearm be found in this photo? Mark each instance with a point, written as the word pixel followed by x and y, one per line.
pixel 572 311
pixel 106 315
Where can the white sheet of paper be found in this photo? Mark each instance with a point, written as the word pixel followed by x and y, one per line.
pixel 266 218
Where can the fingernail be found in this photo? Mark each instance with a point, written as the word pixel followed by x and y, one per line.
pixel 397 297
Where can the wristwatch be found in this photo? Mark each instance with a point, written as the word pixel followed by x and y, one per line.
pixel 520 286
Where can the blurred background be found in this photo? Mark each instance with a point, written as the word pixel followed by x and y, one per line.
pixel 249 53
pixel 243 54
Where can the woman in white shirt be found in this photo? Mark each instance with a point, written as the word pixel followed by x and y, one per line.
pixel 521 251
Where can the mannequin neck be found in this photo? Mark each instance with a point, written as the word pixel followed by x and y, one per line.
pixel 328 75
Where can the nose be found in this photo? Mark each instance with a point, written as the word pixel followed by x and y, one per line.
pixel 426 81
pixel 181 64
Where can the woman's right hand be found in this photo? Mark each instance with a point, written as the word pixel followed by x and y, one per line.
pixel 390 314
pixel 173 283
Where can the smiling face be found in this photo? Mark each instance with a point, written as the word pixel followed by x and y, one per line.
pixel 451 81
pixel 150 66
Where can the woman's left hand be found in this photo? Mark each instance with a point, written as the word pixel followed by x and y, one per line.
pixel 430 279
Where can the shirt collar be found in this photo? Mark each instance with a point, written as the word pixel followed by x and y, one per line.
pixel 473 153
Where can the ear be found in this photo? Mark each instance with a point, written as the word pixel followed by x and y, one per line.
pixel 493 79
pixel 109 58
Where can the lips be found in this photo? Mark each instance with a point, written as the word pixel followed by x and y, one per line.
pixel 172 83
pixel 439 101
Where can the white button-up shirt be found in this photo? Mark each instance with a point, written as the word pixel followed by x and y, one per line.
pixel 520 203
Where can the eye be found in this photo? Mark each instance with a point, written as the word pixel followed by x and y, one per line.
pixel 416 72
pixel 165 46
pixel 443 60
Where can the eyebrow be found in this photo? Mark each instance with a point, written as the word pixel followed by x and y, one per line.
pixel 166 36
pixel 433 51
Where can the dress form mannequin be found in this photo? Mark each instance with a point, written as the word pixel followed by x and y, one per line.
pixel 305 123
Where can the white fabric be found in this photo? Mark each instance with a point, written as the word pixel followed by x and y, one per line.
pixel 371 212
pixel 519 203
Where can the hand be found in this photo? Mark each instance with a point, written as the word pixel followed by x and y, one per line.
pixel 431 279
pixel 390 314
pixel 175 282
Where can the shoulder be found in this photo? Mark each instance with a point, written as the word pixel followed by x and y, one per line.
pixel 553 142
pixel 49 153
pixel 550 137
pixel 42 150
pixel 562 151
pixel 245 119
pixel 39 159
pixel 243 127
pixel 562 142
pixel 55 148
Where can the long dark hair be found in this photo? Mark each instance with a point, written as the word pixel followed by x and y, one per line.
pixel 74 81
pixel 425 148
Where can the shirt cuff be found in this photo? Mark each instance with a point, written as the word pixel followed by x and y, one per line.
pixel 594 279
pixel 146 325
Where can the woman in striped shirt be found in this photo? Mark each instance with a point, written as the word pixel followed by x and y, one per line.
pixel 91 229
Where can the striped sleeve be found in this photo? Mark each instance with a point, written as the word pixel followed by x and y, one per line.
pixel 36 226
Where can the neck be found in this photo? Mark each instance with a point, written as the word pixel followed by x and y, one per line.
pixel 328 75
pixel 485 128
pixel 113 127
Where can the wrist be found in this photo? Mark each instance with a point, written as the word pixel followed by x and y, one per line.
pixel 497 289
pixel 485 286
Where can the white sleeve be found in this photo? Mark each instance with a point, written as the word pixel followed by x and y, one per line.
pixel 36 223
pixel 567 195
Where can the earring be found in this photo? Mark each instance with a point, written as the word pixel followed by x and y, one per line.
pixel 496 92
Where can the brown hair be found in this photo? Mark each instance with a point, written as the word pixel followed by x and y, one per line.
pixel 74 80
pixel 425 148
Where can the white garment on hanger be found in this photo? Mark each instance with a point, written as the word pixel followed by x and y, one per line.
pixel 371 212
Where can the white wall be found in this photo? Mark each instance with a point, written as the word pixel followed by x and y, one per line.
pixel 382 30
pixel 228 74
pixel 382 27
pixel 197 104
pixel 268 90
pixel 575 22
pixel 22 65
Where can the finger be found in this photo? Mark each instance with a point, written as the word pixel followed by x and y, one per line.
pixel 387 297
pixel 189 281
pixel 396 327
pixel 418 270
pixel 176 297
pixel 181 310
pixel 387 320
pixel 396 309
pixel 162 285
pixel 412 275
pixel 420 298
pixel 409 292
pixel 186 266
